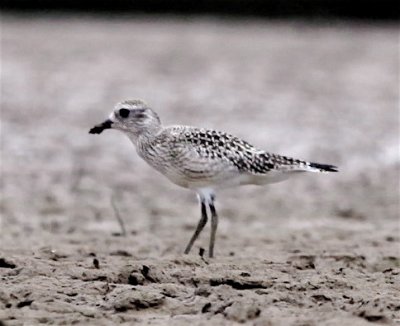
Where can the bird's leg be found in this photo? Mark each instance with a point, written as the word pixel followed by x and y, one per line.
pixel 200 226
pixel 214 225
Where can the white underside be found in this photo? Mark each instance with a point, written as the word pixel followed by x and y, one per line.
pixel 233 180
pixel 207 191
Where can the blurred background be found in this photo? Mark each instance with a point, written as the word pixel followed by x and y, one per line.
pixel 317 80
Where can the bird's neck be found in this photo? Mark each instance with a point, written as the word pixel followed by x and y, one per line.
pixel 144 136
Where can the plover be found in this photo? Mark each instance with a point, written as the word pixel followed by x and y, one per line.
pixel 200 159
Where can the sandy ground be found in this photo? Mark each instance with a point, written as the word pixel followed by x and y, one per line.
pixel 315 250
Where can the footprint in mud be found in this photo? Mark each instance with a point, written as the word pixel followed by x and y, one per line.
pixel 302 262
pixel 242 312
pixel 123 299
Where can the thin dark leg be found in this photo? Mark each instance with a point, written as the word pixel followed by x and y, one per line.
pixel 214 225
pixel 200 226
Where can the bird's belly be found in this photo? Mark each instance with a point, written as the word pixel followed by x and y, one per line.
pixel 220 180
pixel 195 179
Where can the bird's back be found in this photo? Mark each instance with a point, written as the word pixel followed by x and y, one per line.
pixel 197 157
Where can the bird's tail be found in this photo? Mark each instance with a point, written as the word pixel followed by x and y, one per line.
pixel 317 167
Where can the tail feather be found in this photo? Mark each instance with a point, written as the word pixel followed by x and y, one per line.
pixel 323 167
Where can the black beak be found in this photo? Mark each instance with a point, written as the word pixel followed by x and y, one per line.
pixel 98 129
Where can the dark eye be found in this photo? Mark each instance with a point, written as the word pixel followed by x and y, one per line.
pixel 124 113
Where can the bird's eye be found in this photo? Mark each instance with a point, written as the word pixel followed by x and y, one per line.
pixel 124 113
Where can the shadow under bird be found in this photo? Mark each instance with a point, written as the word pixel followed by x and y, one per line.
pixel 201 159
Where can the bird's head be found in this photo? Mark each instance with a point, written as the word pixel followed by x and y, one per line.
pixel 131 116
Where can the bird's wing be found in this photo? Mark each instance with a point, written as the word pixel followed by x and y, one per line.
pixel 198 153
pixel 190 144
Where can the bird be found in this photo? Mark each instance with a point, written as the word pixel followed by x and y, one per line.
pixel 200 159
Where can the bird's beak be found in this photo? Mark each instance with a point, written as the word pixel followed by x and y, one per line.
pixel 98 129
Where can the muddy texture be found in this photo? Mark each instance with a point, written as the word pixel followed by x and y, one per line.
pixel 314 250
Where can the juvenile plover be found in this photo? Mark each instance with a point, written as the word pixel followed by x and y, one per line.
pixel 201 159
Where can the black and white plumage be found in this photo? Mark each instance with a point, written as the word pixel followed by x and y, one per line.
pixel 201 159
